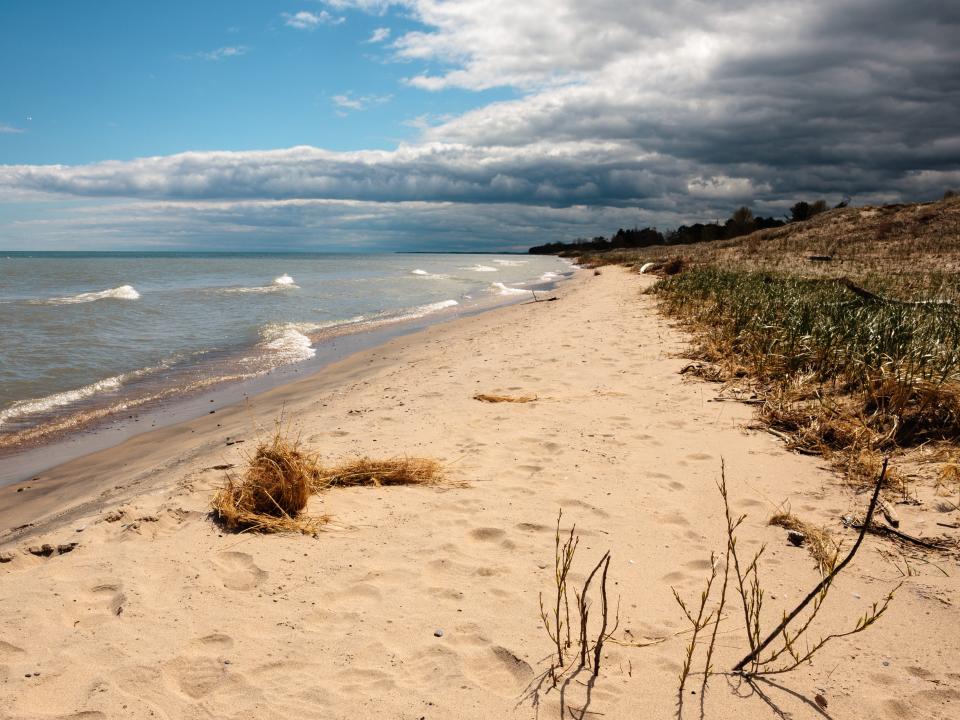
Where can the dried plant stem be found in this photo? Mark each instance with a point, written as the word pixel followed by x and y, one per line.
pixel 563 558
pixel 820 590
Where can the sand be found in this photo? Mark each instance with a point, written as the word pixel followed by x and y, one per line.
pixel 157 613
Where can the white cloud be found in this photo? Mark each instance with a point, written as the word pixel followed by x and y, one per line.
pixel 218 54
pixel 10 129
pixel 379 35
pixel 349 101
pixel 305 20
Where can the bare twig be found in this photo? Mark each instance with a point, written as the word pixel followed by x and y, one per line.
pixel 755 651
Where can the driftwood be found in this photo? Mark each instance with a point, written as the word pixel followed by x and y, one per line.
pixel 873 297
pixel 888 513
pixel 891 532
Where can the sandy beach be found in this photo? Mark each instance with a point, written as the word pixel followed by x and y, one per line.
pixel 422 602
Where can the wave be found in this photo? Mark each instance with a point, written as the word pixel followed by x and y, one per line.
pixel 279 284
pixel 511 263
pixel 68 397
pixel 429 275
pixel 549 276
pixel 124 292
pixel 422 310
pixel 480 268
pixel 504 290
pixel 287 342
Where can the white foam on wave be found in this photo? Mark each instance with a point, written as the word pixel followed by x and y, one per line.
pixel 428 275
pixel 504 290
pixel 68 397
pixel 548 276
pixel 124 292
pixel 279 284
pixel 480 268
pixel 511 263
pixel 287 342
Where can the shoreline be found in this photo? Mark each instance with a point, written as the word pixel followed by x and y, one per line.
pixel 424 602
pixel 21 464
pixel 48 477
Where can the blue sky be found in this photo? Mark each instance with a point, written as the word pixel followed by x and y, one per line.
pixel 90 81
pixel 373 125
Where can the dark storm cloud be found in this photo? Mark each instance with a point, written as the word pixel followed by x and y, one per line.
pixel 681 109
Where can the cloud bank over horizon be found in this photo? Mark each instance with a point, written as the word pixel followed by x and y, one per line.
pixel 624 113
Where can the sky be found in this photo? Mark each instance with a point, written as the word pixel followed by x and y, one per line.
pixel 372 125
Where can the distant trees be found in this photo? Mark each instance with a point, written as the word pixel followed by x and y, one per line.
pixel 804 210
pixel 741 222
pixel 950 194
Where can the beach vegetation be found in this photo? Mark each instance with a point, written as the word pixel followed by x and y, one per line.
pixel 272 494
pixel 792 642
pixel 274 490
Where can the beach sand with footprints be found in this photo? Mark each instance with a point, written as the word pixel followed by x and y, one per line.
pixel 423 602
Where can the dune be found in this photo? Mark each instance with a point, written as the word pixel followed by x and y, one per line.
pixel 423 601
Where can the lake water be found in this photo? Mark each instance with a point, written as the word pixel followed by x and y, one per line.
pixel 89 336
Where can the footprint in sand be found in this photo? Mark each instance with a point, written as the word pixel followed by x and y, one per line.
pixel 487 534
pixel 197 677
pixel 533 527
pixel 237 571
pixel 214 642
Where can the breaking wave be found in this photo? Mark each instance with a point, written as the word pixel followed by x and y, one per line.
pixel 124 292
pixel 60 399
pixel 504 290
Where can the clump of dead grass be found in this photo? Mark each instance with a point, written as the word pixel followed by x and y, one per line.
pixel 817 539
pixel 273 492
pixel 395 471
pixel 485 397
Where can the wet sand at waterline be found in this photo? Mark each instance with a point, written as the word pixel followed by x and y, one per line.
pixel 422 602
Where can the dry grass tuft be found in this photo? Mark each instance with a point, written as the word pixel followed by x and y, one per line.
pixel 821 545
pixel 484 397
pixel 395 471
pixel 272 493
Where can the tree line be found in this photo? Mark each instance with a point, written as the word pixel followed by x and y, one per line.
pixel 741 222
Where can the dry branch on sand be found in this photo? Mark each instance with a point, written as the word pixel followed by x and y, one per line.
pixel 484 397
pixel 790 644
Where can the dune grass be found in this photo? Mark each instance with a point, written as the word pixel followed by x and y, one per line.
pixel 842 373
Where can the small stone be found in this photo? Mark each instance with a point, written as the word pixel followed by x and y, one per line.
pixel 5 557
pixel 81 528
pixel 66 547
pixel 796 538
pixel 44 550
pixel 438 633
